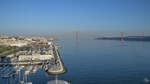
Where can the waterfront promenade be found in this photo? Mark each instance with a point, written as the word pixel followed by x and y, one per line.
pixel 58 68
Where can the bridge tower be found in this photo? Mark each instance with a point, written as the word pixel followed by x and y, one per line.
pixel 77 36
pixel 122 36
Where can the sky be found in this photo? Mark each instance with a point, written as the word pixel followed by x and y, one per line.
pixel 62 16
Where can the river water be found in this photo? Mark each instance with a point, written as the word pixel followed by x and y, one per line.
pixel 91 61
pixel 106 61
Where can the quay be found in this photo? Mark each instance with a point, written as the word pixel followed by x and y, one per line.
pixel 22 63
pixel 61 69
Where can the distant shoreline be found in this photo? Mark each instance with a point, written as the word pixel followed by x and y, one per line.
pixel 127 38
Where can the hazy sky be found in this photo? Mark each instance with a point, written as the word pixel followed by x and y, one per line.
pixel 55 16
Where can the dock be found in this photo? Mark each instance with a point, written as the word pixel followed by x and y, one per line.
pixel 59 69
pixel 21 63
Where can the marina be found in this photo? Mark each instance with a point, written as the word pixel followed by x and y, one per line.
pixel 31 58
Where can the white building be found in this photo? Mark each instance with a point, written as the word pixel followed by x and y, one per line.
pixel 35 57
pixel 18 44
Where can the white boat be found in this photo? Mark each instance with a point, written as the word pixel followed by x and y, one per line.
pixel 19 69
pixel 34 69
pixel 27 72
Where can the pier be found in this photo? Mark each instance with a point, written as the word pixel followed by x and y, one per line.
pixel 21 63
pixel 58 68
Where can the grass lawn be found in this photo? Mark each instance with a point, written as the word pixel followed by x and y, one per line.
pixel 7 48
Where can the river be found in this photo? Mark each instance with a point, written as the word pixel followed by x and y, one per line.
pixel 91 61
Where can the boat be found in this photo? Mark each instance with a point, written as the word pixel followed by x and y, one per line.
pixel 27 72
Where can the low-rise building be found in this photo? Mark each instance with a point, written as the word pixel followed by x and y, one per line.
pixel 18 44
pixel 35 57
